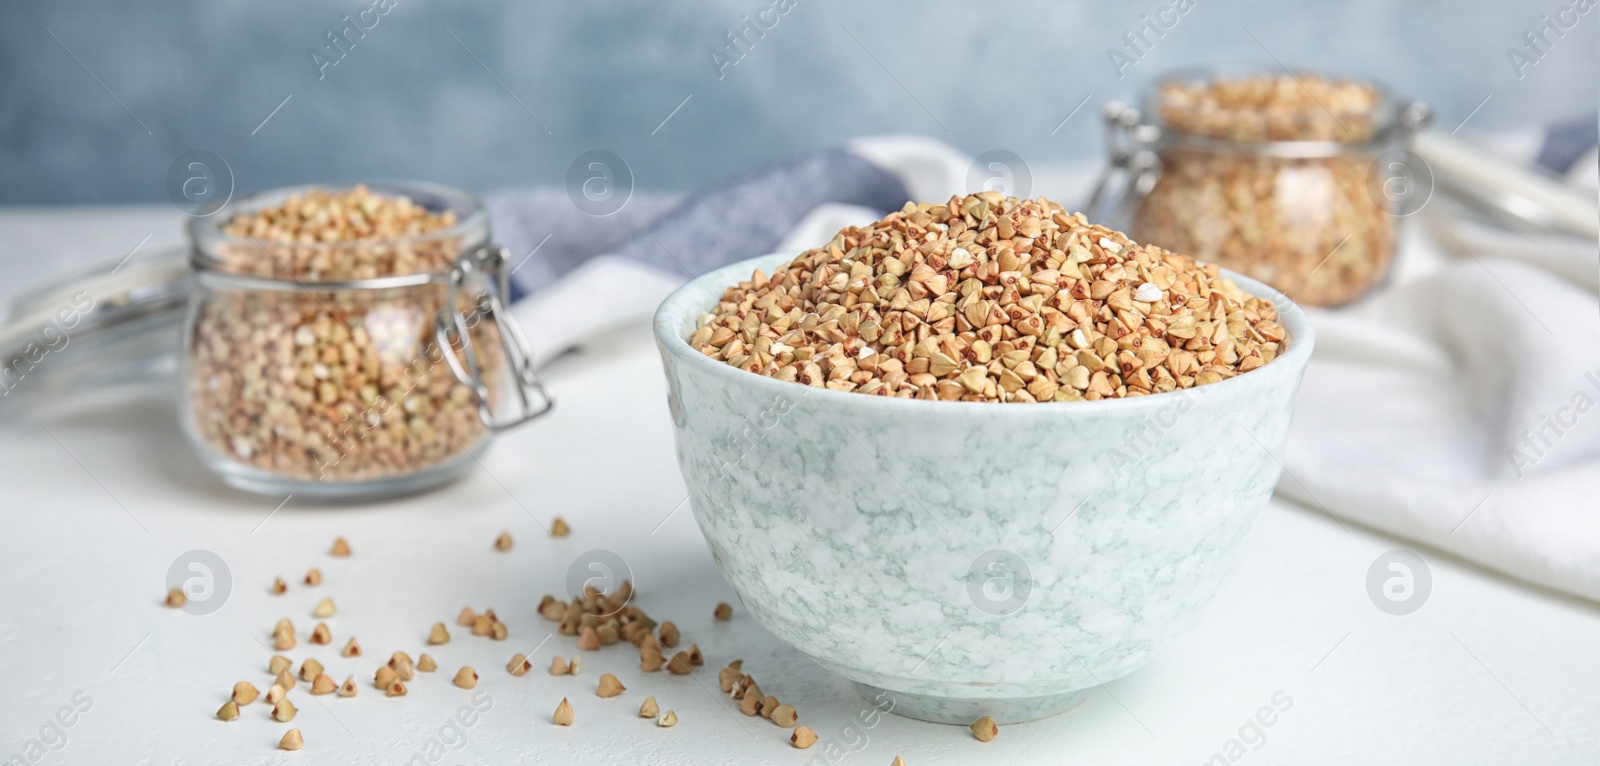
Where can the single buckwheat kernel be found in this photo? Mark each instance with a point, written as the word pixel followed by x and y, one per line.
pixel 519 665
pixel 609 686
pixel 563 715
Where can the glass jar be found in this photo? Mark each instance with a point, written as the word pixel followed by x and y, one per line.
pixel 1295 180
pixel 351 368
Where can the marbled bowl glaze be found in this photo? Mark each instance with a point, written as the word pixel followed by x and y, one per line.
pixel 972 558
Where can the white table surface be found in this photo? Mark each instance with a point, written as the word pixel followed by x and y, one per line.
pixel 98 507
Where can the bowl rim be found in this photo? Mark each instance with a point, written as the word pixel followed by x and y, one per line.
pixel 1291 363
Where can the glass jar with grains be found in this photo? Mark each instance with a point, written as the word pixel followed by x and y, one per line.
pixel 350 342
pixel 1294 179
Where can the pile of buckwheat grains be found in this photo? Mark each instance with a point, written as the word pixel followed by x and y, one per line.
pixel 333 385
pixel 596 619
pixel 988 298
pixel 1271 107
pixel 377 236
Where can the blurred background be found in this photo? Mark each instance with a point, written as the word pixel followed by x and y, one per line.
pixel 99 98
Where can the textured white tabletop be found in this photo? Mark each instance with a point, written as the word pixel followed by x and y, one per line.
pixel 97 671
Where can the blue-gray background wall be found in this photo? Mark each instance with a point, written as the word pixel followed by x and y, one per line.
pixel 559 78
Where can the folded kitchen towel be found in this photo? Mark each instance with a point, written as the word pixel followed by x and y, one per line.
pixel 1458 407
pixel 1462 410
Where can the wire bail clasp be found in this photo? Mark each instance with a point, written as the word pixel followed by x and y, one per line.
pixel 451 326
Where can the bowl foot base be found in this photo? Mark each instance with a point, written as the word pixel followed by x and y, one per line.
pixel 963 711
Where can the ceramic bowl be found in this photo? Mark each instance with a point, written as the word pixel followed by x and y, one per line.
pixel 962 559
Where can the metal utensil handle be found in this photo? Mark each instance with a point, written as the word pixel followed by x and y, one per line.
pixel 489 260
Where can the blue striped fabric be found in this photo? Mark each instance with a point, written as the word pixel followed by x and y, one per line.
pixel 1566 142
pixel 743 217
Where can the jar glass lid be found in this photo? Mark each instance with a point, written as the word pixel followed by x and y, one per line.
pixel 100 327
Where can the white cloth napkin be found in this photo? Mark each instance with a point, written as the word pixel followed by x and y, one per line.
pixel 1461 410
pixel 1459 407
